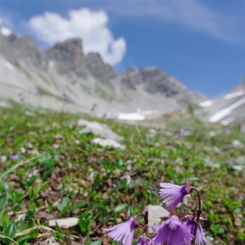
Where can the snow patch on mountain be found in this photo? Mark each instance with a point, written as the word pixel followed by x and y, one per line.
pixel 226 111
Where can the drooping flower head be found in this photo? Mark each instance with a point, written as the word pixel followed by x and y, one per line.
pixel 124 232
pixel 173 194
pixel 171 232
pixel 200 235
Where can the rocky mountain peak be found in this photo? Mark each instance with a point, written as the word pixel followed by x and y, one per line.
pixel 154 80
pixel 65 67
pixel 67 54
pixel 23 49
pixel 96 66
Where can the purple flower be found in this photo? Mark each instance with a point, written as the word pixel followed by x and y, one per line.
pixel 173 194
pixel 124 232
pixel 229 162
pixel 14 157
pixel 143 240
pixel 227 131
pixel 36 93
pixel 20 94
pixel 190 226
pixel 69 101
pixel 172 232
pixel 64 95
pixel 93 107
pixel 181 132
pixel 105 116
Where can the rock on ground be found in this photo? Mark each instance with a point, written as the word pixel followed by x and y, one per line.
pixel 108 143
pixel 98 129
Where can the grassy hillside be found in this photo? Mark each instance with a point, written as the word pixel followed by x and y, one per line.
pixel 49 170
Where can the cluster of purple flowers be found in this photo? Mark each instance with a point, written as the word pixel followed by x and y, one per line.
pixel 66 98
pixel 182 229
pixel 21 96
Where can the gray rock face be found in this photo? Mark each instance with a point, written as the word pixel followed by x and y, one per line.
pixel 87 79
pixel 154 81
pixel 23 49
pixel 67 55
pixel 96 66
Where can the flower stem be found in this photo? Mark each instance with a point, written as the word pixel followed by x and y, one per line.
pixel 198 214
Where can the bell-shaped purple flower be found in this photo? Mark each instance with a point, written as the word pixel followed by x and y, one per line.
pixel 173 194
pixel 124 232
pixel 143 240
pixel 171 232
pixel 200 235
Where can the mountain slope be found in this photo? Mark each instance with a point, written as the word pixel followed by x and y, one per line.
pixel 226 109
pixel 86 80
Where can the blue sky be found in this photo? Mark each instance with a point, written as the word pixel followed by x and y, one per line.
pixel 202 43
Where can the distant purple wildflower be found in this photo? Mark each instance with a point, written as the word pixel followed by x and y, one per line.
pixel 172 232
pixel 14 157
pixel 20 94
pixel 181 132
pixel 105 116
pixel 124 232
pixel 64 95
pixel 227 131
pixel 173 194
pixel 69 101
pixel 93 107
pixel 229 162
pixel 36 93
pixel 200 235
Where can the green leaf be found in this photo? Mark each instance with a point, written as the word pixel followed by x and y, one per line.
pixel 4 219
pixel 132 184
pixel 97 180
pixel 4 236
pixel 78 205
pixel 23 238
pixel 64 206
pixel 10 230
pixel 120 207
pixel 103 210
pixel 96 242
pixel 3 200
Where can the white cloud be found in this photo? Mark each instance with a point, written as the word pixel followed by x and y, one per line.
pixel 90 26
pixel 190 14
pixel 5 31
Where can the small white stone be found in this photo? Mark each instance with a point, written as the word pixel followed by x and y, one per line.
pixel 108 143
pixel 63 223
pixel 154 214
pixel 3 158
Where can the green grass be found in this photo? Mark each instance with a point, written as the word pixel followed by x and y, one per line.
pixel 69 177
